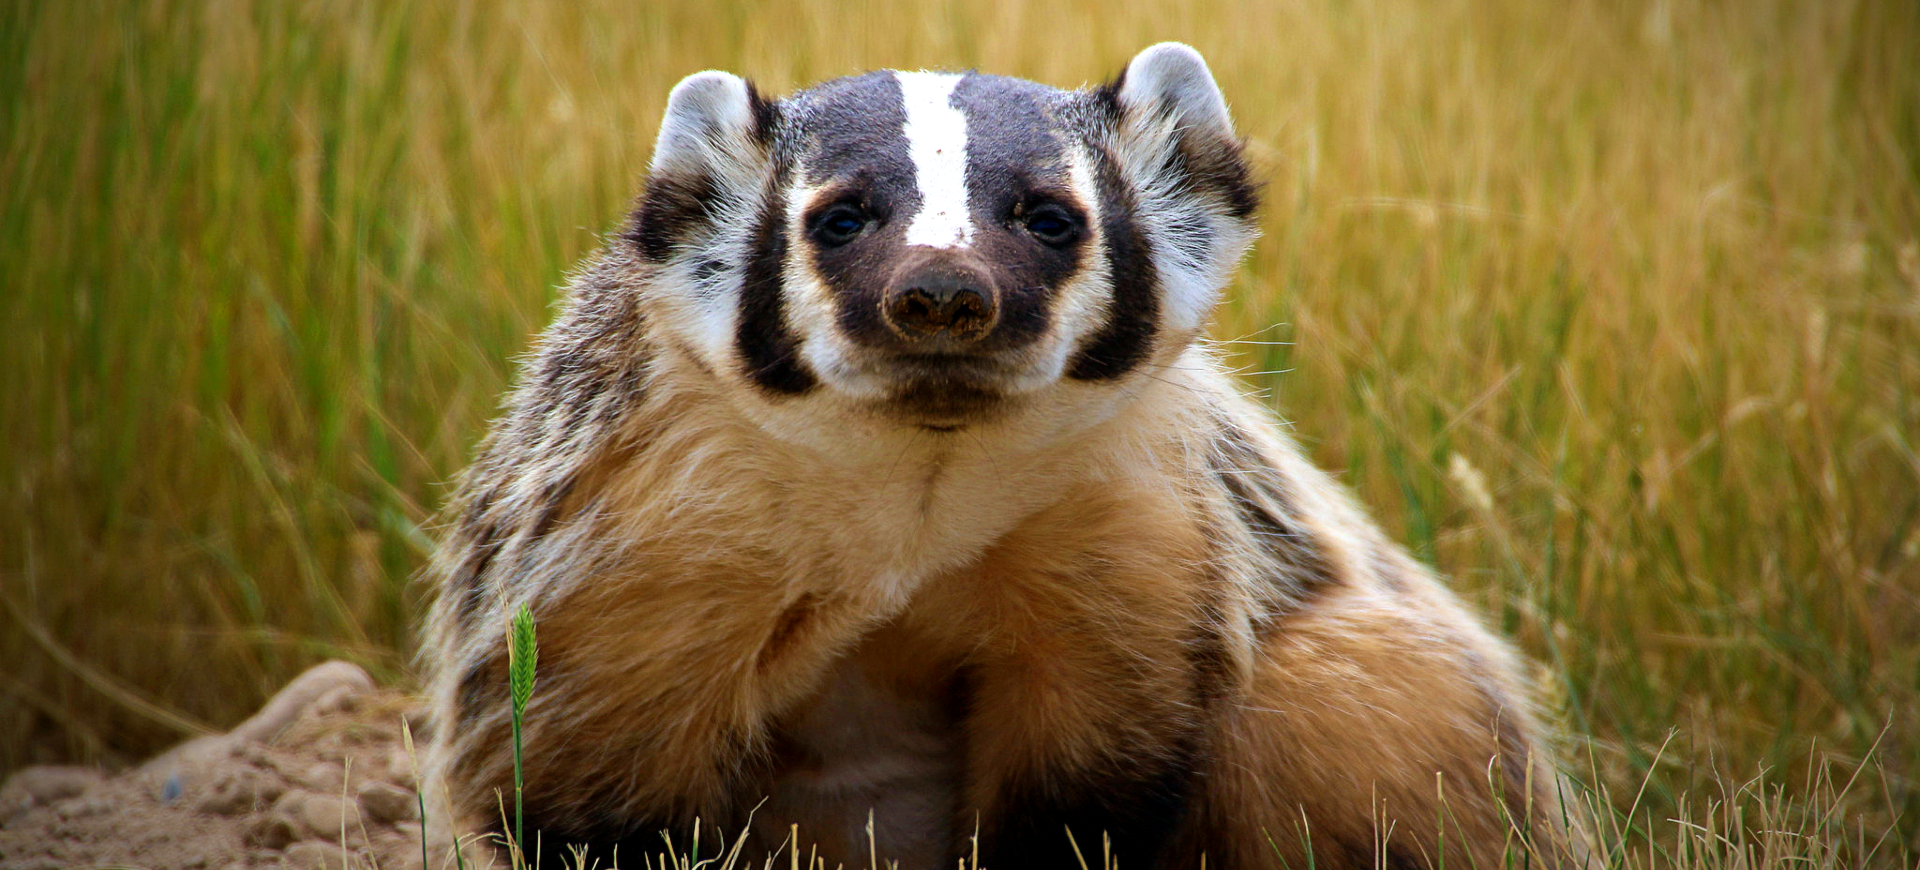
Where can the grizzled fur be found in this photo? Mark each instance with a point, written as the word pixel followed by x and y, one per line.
pixel 874 473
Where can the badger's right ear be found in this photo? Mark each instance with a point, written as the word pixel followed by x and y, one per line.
pixel 709 115
pixel 712 147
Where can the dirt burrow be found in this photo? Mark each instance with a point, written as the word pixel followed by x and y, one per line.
pixel 319 778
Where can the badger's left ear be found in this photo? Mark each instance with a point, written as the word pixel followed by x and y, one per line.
pixel 1168 137
pixel 1171 125
pixel 1171 80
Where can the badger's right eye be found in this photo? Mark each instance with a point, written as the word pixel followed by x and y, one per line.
pixel 840 224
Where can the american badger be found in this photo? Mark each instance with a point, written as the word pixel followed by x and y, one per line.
pixel 875 470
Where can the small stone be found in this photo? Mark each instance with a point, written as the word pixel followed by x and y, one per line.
pixel 238 791
pixel 272 831
pixel 170 790
pixel 190 758
pixel 289 803
pixel 254 753
pixel 327 816
pixel 84 808
pixel 324 776
pixel 386 803
pixel 315 855
pixel 300 696
pixel 47 784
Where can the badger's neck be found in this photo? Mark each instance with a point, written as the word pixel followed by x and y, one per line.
pixel 899 503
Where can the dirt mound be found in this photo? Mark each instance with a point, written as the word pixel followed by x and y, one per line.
pixel 320 778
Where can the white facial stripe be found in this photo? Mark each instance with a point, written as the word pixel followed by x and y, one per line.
pixel 937 141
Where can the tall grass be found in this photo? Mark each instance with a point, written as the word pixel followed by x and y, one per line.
pixel 1611 310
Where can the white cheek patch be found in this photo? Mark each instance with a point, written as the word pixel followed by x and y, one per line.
pixel 810 308
pixel 1082 303
pixel 936 134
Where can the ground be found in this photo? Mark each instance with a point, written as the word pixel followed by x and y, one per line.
pixel 320 777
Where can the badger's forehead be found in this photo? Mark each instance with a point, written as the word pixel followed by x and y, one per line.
pixel 898 128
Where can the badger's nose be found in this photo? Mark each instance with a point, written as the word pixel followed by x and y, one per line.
pixel 958 303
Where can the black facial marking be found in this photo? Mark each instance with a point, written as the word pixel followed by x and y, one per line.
pixel 766 343
pixel 765 116
pixel 1013 142
pixel 1208 163
pixel 673 205
pixel 858 271
pixel 669 210
pixel 858 158
pixel 1133 312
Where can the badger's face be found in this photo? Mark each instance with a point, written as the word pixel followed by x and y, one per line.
pixel 941 251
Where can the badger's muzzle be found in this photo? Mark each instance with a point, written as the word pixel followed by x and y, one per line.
pixel 941 304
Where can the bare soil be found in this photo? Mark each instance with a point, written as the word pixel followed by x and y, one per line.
pixel 320 778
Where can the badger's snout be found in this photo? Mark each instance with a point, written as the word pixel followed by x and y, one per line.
pixel 943 336
pixel 941 307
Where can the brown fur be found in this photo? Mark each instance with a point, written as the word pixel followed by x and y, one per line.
pixel 1122 605
pixel 1175 585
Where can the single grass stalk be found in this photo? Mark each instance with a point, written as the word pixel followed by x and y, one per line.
pixel 420 801
pixel 523 655
pixel 419 795
pixel 1076 849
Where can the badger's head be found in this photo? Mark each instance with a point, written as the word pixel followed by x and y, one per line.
pixel 936 252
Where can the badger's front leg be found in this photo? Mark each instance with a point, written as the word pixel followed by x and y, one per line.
pixel 1074 733
pixel 658 686
pixel 1093 678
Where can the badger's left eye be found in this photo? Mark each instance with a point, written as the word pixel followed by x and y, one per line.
pixel 1052 225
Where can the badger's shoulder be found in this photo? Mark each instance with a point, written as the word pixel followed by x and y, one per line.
pixel 1287 530
pixel 575 398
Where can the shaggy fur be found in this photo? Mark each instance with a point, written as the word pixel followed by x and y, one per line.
pixel 791 568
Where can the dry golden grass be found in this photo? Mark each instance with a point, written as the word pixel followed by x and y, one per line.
pixel 1610 309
